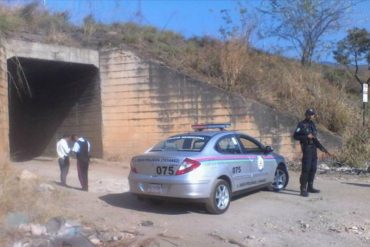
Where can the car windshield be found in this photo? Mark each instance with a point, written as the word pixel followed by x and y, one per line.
pixel 182 143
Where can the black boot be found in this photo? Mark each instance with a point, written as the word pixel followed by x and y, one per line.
pixel 311 189
pixel 304 192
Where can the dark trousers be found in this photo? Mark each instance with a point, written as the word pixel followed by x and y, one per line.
pixel 64 168
pixel 82 171
pixel 309 165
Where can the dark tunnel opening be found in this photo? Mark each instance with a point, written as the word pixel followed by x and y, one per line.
pixel 48 99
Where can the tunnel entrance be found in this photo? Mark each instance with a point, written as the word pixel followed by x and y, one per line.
pixel 48 99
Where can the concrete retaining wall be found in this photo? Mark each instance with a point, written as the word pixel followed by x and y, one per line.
pixel 4 115
pixel 144 102
pixel 64 97
pixel 51 52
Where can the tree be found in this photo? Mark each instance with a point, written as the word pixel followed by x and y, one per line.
pixel 235 33
pixel 354 49
pixel 240 29
pixel 304 22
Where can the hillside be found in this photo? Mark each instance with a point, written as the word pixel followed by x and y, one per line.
pixel 233 65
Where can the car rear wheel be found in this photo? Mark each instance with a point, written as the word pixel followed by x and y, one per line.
pixel 219 201
pixel 281 179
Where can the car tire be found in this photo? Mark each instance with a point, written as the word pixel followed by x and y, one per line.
pixel 281 179
pixel 219 200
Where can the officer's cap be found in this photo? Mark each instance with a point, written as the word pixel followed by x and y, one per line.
pixel 310 112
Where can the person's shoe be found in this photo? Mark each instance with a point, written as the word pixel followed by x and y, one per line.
pixel 304 193
pixel 311 189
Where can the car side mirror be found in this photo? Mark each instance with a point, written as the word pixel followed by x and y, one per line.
pixel 268 149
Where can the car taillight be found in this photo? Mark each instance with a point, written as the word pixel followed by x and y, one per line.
pixel 187 166
pixel 133 169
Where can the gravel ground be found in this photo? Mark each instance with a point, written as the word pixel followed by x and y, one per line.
pixel 338 216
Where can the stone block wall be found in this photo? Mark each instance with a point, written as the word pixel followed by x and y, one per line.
pixel 4 115
pixel 144 102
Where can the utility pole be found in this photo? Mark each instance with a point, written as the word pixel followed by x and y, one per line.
pixel 365 89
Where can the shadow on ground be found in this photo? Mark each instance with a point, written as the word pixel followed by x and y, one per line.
pixel 168 207
pixel 290 192
pixel 358 184
pixel 129 201
pixel 67 186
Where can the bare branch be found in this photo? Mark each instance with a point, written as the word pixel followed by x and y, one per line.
pixel 304 22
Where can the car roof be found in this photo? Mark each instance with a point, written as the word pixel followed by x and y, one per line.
pixel 208 133
pixel 211 130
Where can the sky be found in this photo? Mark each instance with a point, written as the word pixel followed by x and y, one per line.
pixel 190 17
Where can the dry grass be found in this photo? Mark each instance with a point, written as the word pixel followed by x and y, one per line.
pixel 287 86
pixel 356 152
pixel 25 197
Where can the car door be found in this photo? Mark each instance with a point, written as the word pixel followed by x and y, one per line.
pixel 260 167
pixel 238 165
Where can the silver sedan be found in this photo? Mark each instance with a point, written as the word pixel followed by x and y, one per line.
pixel 208 166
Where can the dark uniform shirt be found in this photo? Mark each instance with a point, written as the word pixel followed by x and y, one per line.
pixel 82 150
pixel 302 131
pixel 83 155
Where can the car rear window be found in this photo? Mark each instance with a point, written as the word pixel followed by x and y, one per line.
pixel 182 143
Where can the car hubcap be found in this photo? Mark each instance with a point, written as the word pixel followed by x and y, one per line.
pixel 222 196
pixel 280 179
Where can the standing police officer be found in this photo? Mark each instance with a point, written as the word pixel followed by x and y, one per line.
pixel 306 133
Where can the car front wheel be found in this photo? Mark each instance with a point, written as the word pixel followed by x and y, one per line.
pixel 220 198
pixel 281 179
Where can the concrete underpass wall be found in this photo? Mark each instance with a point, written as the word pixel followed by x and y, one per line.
pixel 65 86
pixel 144 102
pixel 64 99
pixel 84 117
pixel 4 116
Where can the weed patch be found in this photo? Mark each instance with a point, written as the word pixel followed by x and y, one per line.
pixel 24 196
pixel 356 152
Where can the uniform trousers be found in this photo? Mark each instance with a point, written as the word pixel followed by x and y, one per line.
pixel 64 168
pixel 82 171
pixel 309 165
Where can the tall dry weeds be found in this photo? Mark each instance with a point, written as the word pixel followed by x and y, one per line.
pixel 290 87
pixel 356 151
pixel 233 58
pixel 25 196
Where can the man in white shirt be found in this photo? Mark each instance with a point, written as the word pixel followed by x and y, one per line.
pixel 63 158
pixel 82 149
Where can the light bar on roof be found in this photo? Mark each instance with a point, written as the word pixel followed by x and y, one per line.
pixel 220 126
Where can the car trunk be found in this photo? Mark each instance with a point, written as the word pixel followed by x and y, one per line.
pixel 156 164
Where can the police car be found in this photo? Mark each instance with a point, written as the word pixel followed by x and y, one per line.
pixel 209 165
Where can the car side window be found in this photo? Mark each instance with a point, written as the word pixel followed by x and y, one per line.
pixel 249 145
pixel 228 145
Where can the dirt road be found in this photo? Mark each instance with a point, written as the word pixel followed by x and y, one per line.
pixel 339 216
